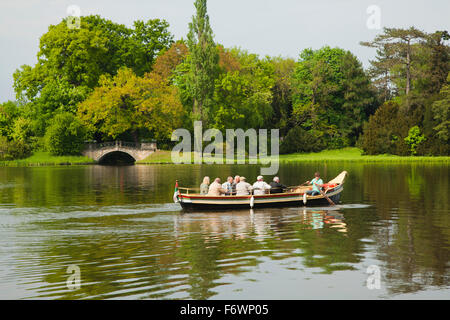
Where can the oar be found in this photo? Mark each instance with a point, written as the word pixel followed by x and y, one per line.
pixel 326 197
pixel 293 187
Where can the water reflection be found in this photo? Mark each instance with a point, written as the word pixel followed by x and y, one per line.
pixel 220 243
pixel 118 225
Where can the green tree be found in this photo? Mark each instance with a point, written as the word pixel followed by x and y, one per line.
pixel 381 74
pixel 381 132
pixel 22 130
pixel 203 61
pixel 141 107
pixel 10 150
pixel 71 61
pixel 332 94
pixel 56 96
pixel 395 47
pixel 441 111
pixel 243 97
pixel 100 46
pixel 301 140
pixel 414 139
pixel 419 63
pixel 9 112
pixel 282 92
pixel 152 38
pixel 18 130
pixel 65 135
pixel 436 61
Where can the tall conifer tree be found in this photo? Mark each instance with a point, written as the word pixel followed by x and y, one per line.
pixel 204 59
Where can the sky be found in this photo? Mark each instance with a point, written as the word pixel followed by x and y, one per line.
pixel 266 27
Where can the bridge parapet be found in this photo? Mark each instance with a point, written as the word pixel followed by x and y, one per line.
pixel 148 145
pixel 138 150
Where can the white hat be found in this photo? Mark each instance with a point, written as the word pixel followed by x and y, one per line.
pixel 259 178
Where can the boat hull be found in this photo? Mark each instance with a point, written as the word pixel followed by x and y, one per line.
pixel 197 202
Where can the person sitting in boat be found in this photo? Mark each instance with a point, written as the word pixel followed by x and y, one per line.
pixel 228 186
pixel 215 189
pixel 316 185
pixel 243 188
pixel 260 186
pixel 276 186
pixel 237 179
pixel 204 187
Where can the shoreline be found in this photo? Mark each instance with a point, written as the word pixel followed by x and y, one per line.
pixel 41 158
pixel 349 154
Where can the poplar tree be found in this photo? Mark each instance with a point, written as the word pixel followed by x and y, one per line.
pixel 204 59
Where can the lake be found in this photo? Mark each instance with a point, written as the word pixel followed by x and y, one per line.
pixel 119 226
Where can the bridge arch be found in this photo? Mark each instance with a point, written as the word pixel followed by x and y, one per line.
pixel 116 157
pixel 128 151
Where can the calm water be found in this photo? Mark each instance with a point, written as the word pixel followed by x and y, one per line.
pixel 121 228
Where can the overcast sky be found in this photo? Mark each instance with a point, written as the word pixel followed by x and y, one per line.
pixel 266 27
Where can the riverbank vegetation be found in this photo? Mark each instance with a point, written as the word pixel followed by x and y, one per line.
pixel 351 154
pixel 357 155
pixel 43 158
pixel 106 81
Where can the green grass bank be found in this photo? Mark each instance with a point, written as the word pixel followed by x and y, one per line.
pixel 345 154
pixel 42 158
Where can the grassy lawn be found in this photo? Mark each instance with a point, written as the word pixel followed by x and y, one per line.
pixel 41 158
pixel 160 156
pixel 345 154
pixel 355 154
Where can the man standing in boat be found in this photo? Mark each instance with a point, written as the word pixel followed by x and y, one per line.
pixel 316 185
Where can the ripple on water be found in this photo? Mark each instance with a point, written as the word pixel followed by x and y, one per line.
pixel 154 250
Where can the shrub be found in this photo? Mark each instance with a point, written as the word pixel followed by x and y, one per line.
pixel 3 148
pixel 300 140
pixel 380 135
pixel 22 130
pixel 8 113
pixel 414 139
pixel 65 135
pixel 10 150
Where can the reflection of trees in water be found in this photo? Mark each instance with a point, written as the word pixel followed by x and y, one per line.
pixel 414 256
pixel 87 185
pixel 409 222
pixel 120 257
pixel 216 244
pixel 102 185
pixel 117 258
pixel 333 244
pixel 413 237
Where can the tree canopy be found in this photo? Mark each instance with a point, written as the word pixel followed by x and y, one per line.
pixel 331 95
pixel 203 61
pixel 411 69
pixel 136 82
pixel 71 62
pixel 131 105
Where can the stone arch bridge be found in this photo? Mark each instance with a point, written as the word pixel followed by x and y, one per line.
pixel 135 151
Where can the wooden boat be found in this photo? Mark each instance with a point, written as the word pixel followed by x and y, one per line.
pixel 294 196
